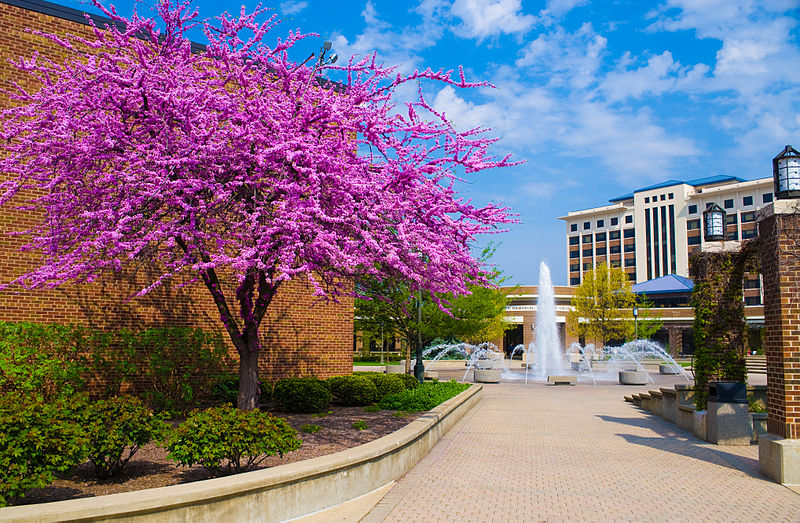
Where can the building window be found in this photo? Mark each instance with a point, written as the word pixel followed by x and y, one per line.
pixel 749 233
pixel 693 209
pixel 587 252
pixel 747 200
pixel 730 219
pixel 629 233
pixel 600 251
pixel 587 238
pixel 693 240
pixel 692 225
pixel 751 284
pixel 629 218
pixel 663 197
pixel 752 300
pixel 601 223
pixel 671 196
pixel 600 237
pixel 732 235
pixel 574 267
pixel 614 235
pixel 573 240
pixel 632 276
pixel 574 281
pixel 614 221
pixel 586 225
pixel 573 227
pixel 574 254
pixel 728 204
pixel 630 262
pixel 748 217
pixel 631 247
pixel 647 200
pixel 615 249
pixel 587 266
pixel 615 263
pixel 767 197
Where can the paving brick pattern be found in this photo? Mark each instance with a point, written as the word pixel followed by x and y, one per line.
pixel 545 453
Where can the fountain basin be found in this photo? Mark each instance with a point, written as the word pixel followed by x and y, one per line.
pixel 634 377
pixel 396 369
pixel 487 376
pixel 667 368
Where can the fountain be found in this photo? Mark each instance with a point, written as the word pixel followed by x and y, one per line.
pixel 548 357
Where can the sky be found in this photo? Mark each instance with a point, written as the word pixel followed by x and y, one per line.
pixel 596 98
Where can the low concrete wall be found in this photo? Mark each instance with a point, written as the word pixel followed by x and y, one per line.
pixel 274 494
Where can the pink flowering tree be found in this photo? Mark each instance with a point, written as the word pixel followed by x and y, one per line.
pixel 236 164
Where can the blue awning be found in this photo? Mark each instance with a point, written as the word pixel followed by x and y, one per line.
pixel 669 284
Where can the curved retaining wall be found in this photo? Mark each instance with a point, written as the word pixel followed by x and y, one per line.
pixel 274 494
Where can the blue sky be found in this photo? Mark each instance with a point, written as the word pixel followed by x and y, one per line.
pixel 597 98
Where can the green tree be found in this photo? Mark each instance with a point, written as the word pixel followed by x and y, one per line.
pixel 602 307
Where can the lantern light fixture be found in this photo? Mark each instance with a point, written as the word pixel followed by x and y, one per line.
pixel 714 218
pixel 786 173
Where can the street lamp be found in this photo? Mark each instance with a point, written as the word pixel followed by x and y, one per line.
pixel 786 173
pixel 714 217
pixel 419 367
pixel 636 321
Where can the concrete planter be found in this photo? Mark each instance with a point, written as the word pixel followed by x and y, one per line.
pixel 484 364
pixel 668 368
pixel 395 369
pixel 634 377
pixel 487 376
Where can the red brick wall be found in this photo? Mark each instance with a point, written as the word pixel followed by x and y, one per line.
pixel 301 335
pixel 780 237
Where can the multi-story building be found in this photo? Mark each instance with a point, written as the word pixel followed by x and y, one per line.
pixel 652 231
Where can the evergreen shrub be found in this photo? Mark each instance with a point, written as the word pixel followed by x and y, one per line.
pixel 302 395
pixel 424 397
pixel 385 383
pixel 352 390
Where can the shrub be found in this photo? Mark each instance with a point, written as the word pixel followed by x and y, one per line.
pixel 227 440
pixel 424 397
pixel 37 440
pixel 360 425
pixel 352 390
pixel 302 395
pixel 386 383
pixel 309 428
pixel 226 389
pixel 43 361
pixel 113 357
pixel 372 408
pixel 115 429
pixel 408 380
pixel 181 365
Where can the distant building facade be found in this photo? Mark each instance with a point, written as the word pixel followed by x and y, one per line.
pixel 652 231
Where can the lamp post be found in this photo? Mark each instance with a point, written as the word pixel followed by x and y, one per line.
pixel 714 218
pixel 419 367
pixel 636 321
pixel 786 173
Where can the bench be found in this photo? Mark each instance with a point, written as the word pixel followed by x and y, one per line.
pixel 562 380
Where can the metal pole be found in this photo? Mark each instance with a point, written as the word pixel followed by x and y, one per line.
pixel 419 368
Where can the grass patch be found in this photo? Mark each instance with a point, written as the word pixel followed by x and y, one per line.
pixel 309 428
pixel 372 408
pixel 322 414
pixel 360 425
pixel 424 397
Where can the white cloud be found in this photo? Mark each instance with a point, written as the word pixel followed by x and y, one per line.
pixel 559 8
pixel 486 18
pixel 661 74
pixel 291 7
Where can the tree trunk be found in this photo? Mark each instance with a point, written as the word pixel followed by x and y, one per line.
pixel 248 377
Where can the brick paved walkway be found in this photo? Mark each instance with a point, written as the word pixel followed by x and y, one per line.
pixel 543 453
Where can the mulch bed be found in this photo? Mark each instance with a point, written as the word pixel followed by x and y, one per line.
pixel 150 467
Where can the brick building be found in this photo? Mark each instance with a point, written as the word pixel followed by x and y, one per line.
pixel 300 334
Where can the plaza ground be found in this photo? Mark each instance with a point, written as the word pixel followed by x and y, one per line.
pixel 539 452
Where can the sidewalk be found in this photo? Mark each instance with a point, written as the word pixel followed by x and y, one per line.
pixel 543 453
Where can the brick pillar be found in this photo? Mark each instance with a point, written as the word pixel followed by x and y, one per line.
pixel 675 340
pixel 779 232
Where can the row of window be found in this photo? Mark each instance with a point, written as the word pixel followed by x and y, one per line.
pixel 601 236
pixel 655 198
pixel 600 223
pixel 576 280
pixel 728 204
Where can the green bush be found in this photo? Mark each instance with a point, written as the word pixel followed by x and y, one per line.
pixel 424 397
pixel 43 361
pixel 385 383
pixel 113 357
pixel 302 395
pixel 360 425
pixel 227 440
pixel 37 440
pixel 226 389
pixel 115 429
pixel 408 380
pixel 352 390
pixel 309 428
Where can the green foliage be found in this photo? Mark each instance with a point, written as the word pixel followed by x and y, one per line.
pixel 757 405
pixel 408 380
pixel 43 361
pixel 227 440
pixel 385 384
pixel 302 395
pixel 115 430
pixel 37 441
pixel 372 408
pixel 114 357
pixel 360 425
pixel 309 428
pixel 181 364
pixel 352 390
pixel 719 323
pixel 602 307
pixel 322 414
pixel 424 397
pixel 226 389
